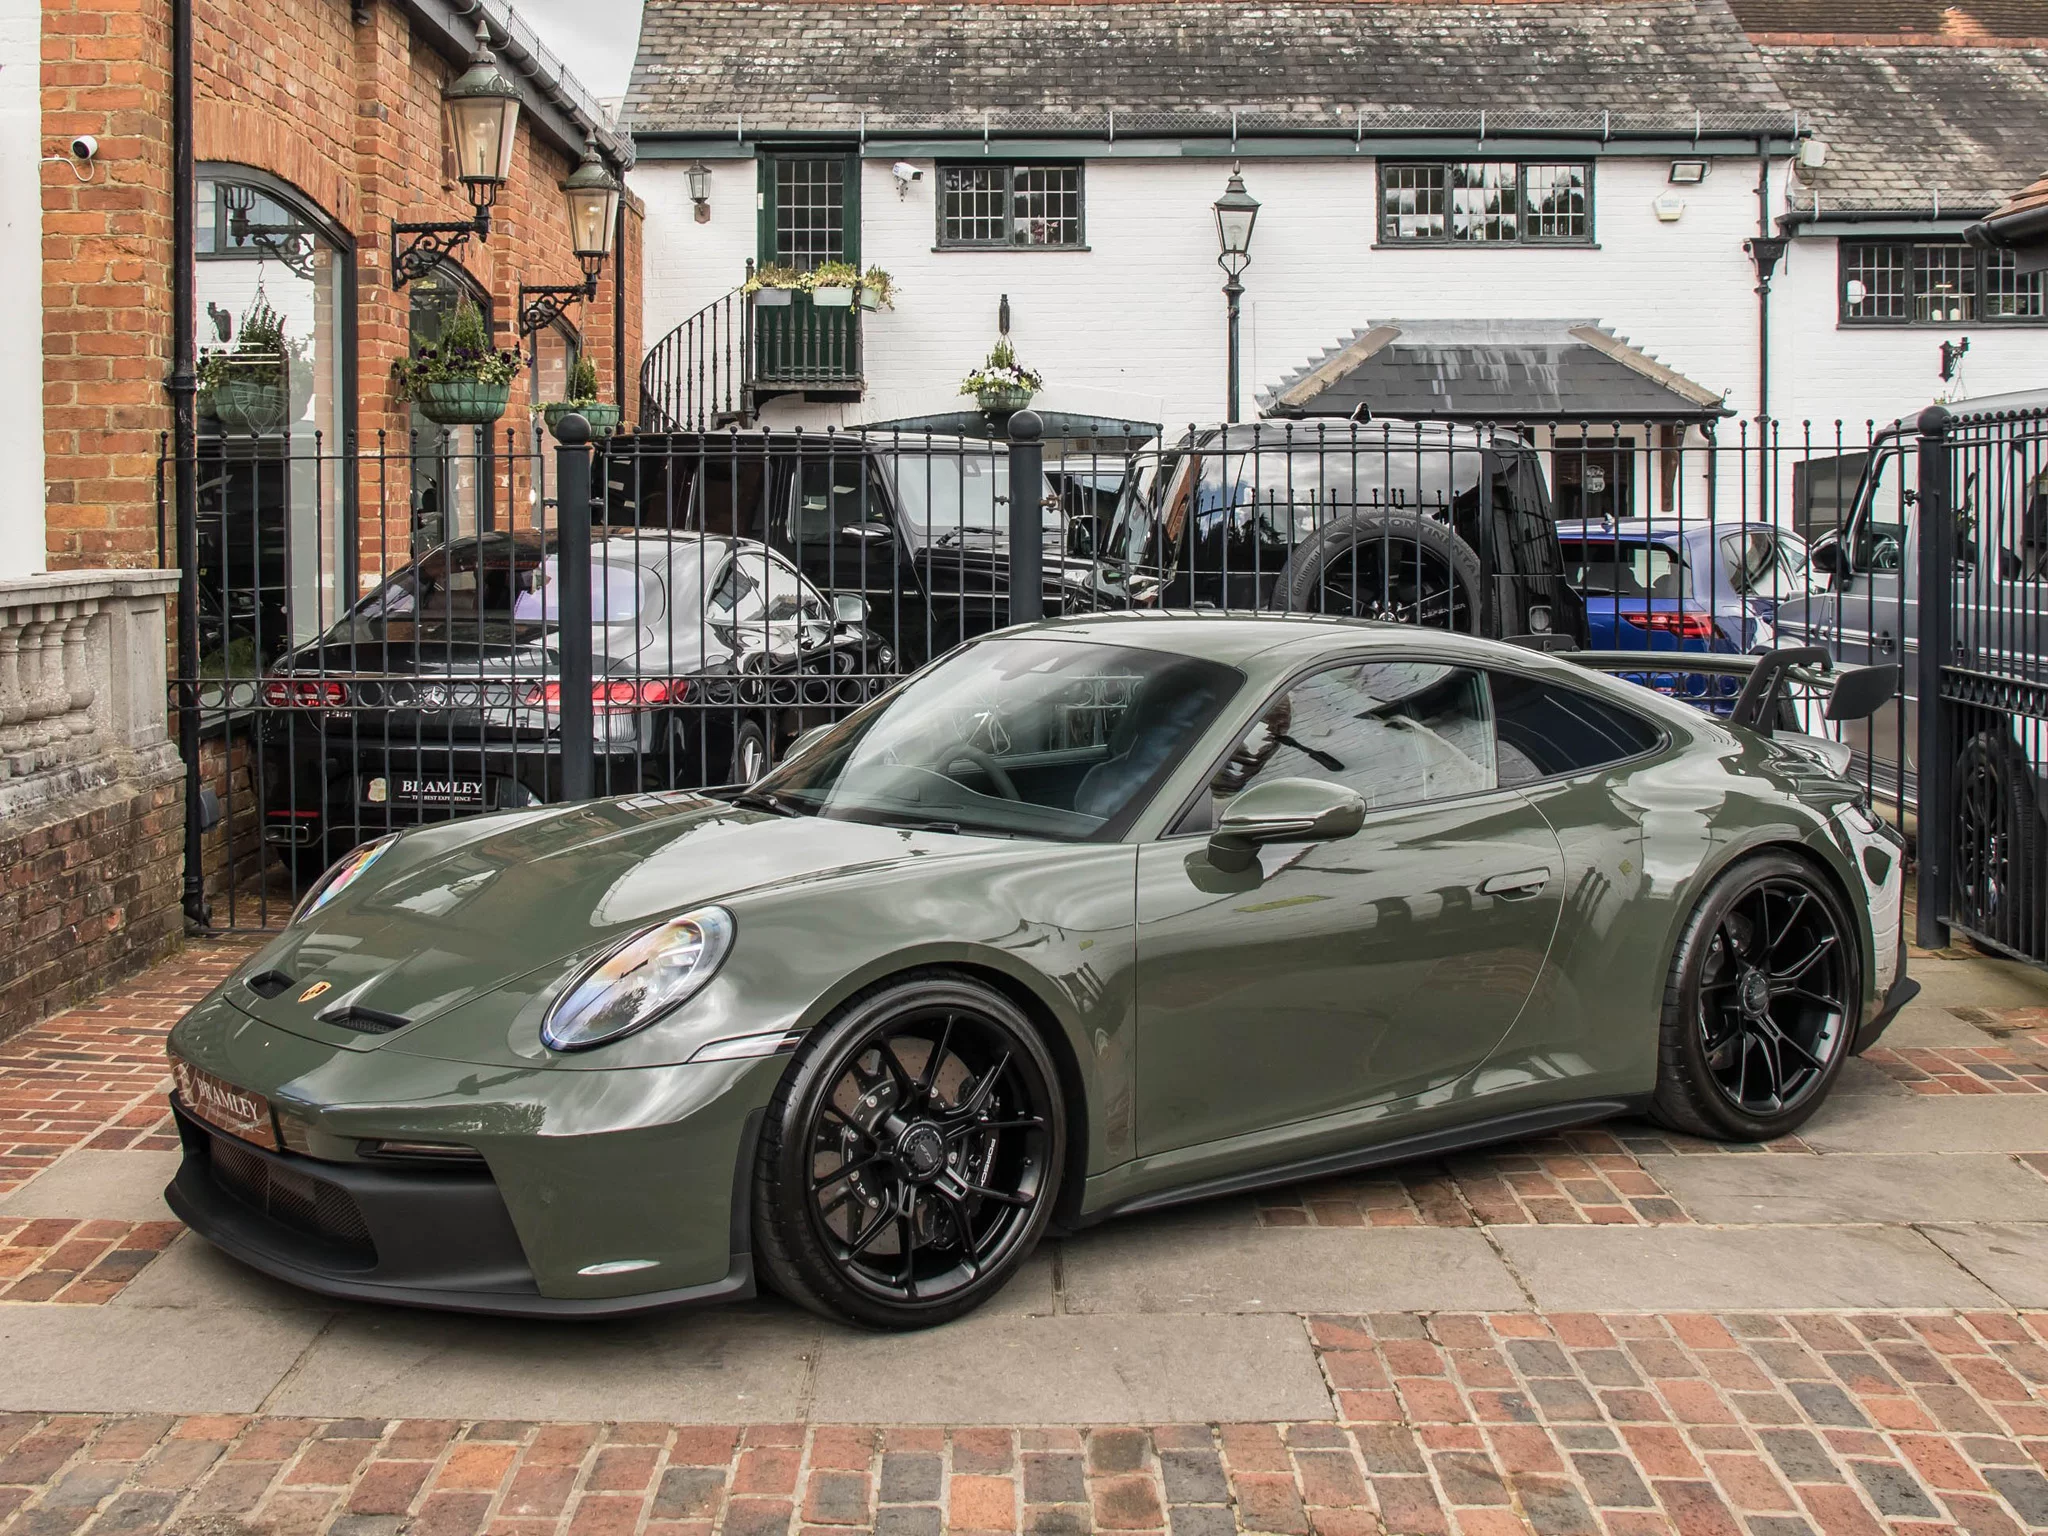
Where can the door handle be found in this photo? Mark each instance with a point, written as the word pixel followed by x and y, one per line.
pixel 1884 642
pixel 1522 883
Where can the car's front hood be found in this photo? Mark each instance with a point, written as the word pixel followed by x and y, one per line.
pixel 452 913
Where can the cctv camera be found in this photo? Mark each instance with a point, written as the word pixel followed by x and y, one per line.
pixel 84 147
pixel 903 170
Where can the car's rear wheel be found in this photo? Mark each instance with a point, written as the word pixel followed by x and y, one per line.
pixel 1761 1003
pixel 911 1155
pixel 750 755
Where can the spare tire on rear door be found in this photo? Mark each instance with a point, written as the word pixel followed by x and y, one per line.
pixel 1384 565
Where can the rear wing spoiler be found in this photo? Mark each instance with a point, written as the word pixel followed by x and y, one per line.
pixel 1853 693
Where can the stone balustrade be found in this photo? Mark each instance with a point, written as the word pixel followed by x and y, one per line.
pixel 82 681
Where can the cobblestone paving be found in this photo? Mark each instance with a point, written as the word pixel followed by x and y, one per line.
pixel 88 1262
pixel 1959 1069
pixel 1566 1425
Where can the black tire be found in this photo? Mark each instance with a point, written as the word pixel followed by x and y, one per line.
pixel 914 1218
pixel 1997 830
pixel 1761 1003
pixel 750 753
pixel 1384 565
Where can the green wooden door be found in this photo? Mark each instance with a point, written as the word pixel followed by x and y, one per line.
pixel 810 214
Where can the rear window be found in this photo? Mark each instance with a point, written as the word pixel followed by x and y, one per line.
pixel 1624 568
pixel 1546 730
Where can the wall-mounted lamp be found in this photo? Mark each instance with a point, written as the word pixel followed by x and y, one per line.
pixel 592 194
pixel 482 108
pixel 1688 173
pixel 699 178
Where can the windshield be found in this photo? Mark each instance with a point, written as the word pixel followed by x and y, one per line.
pixel 957 492
pixel 1058 739
pixel 1615 568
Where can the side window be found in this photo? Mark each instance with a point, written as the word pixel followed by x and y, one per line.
pixel 1398 732
pixel 735 595
pixel 1546 730
pixel 789 597
pixel 1880 538
pixel 725 496
pixel 828 500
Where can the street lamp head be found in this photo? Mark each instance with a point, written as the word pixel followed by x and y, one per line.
pixel 482 104
pixel 593 194
pixel 1236 212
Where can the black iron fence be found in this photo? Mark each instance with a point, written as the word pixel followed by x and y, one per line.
pixel 392 632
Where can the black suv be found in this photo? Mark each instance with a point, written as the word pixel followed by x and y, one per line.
pixel 1417 522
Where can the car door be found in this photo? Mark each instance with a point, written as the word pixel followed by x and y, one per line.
pixel 838 531
pixel 1334 976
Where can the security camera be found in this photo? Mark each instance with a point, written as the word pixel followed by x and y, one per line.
pixel 84 147
pixel 905 172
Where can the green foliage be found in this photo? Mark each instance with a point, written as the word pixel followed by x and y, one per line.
pixel 773 275
pixel 1000 370
pixel 261 349
pixel 464 351
pixel 582 383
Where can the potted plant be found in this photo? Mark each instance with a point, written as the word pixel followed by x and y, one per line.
pixel 877 289
pixel 461 380
pixel 832 284
pixel 582 399
pixel 247 387
pixel 1002 384
pixel 772 285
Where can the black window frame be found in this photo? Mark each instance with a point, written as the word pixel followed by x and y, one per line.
pixel 1980 267
pixel 944 241
pixel 1383 237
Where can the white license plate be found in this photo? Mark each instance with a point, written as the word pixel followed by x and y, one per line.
pixel 221 1104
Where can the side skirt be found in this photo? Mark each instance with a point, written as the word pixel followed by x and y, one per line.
pixel 1459 1138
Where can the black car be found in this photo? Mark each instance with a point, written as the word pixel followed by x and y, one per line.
pixel 916 526
pixel 439 694
pixel 1420 522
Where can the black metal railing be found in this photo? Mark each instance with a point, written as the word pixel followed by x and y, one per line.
pixel 804 345
pixel 383 636
pixel 700 375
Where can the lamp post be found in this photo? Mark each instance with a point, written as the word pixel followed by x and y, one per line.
pixel 482 104
pixel 592 193
pixel 1236 212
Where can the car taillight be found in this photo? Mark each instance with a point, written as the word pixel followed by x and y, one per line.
pixel 1687 626
pixel 612 695
pixel 304 693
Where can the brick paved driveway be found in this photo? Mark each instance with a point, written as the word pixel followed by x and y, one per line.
pixel 1612 1332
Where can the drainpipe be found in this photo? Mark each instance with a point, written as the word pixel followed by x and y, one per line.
pixel 631 417
pixel 1766 250
pixel 183 388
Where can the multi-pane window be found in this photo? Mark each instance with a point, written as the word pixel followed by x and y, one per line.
pixel 1486 202
pixel 1010 205
pixel 810 212
pixel 1935 282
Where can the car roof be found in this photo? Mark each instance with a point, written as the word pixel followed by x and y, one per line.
pixel 1236 638
pixel 1657 528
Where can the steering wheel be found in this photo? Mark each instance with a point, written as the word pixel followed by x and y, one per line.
pixel 988 765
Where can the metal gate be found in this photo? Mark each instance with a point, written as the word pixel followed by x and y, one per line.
pixel 1978 555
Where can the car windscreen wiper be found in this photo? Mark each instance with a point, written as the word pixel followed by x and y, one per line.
pixel 765 800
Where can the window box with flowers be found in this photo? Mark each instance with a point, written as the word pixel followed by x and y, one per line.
pixel 461 380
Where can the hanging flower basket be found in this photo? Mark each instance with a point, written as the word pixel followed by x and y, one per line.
pixel 250 402
pixel 1001 399
pixel 603 419
pixel 461 402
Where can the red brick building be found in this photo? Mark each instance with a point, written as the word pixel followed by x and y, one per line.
pixel 317 124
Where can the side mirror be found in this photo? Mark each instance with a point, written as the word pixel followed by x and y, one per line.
pixel 806 741
pixel 1283 811
pixel 848 611
pixel 1861 692
pixel 1828 557
pixel 1081 536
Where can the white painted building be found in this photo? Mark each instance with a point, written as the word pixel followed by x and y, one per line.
pixel 1418 167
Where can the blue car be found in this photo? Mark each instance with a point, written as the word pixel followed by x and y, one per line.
pixel 1682 585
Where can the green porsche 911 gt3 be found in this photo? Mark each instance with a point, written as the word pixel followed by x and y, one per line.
pixel 1087 917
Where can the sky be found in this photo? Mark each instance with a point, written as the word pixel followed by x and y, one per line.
pixel 595 38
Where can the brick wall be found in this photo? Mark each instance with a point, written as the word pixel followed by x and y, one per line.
pixel 88 892
pixel 349 114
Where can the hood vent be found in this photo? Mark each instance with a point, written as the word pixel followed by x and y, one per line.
pixel 267 984
pixel 364 1021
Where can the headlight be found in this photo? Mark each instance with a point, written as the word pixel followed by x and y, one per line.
pixel 342 874
pixel 634 983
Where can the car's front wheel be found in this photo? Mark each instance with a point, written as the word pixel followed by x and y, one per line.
pixel 1761 1003
pixel 911 1155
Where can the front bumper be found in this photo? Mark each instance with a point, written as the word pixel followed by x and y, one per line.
pixel 410 1236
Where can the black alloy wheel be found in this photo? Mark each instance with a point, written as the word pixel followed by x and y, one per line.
pixel 1997 832
pixel 911 1155
pixel 1762 1005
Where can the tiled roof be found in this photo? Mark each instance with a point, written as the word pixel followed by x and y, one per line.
pixel 1943 21
pixel 1508 369
pixel 1906 127
pixel 714 65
